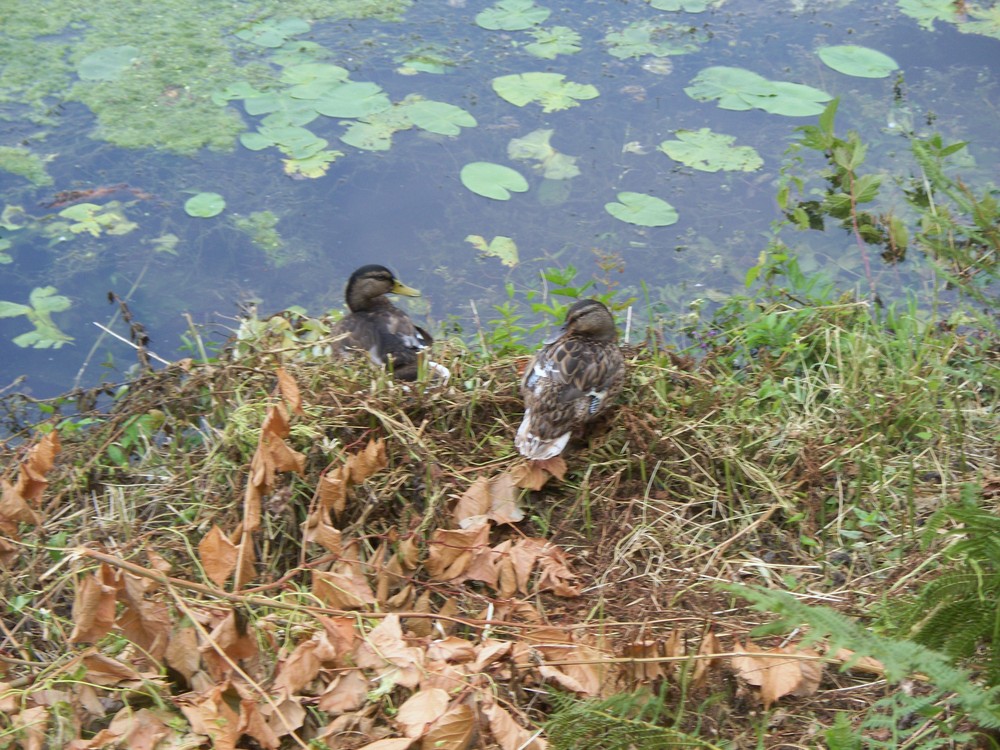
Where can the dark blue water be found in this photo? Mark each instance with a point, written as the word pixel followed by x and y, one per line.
pixel 407 208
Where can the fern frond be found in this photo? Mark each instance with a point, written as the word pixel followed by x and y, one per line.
pixel 616 723
pixel 901 658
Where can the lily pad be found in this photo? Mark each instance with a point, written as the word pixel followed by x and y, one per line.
pixel 926 12
pixel 97 220
pixel 313 80
pixel 270 33
pixel 107 64
pixel 500 247
pixel 369 136
pixel 312 166
pixel 492 180
pixel 651 38
pixel 205 205
pixel 439 117
pixel 552 164
pixel 353 99
pixel 688 6
pixel 549 43
pixel 853 60
pixel 512 15
pixel 710 152
pixel 644 210
pixel 982 20
pixel 741 89
pixel 548 89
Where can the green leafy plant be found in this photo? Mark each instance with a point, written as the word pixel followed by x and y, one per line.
pixel 936 717
pixel 958 612
pixel 43 301
pixel 620 722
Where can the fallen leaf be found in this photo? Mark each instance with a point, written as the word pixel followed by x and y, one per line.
pixel 453 731
pixel 509 734
pixel 421 710
pixel 299 669
pixel 218 555
pixel 94 607
pixel 450 551
pixel 774 673
pixel 385 651
pixel 289 390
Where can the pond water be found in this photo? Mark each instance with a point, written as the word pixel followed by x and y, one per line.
pixel 137 111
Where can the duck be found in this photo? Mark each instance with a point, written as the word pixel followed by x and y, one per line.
pixel 571 381
pixel 377 327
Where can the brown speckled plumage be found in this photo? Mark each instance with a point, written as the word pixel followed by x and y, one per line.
pixel 571 381
pixel 379 328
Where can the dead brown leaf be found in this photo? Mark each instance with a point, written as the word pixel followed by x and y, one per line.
pixel 453 731
pixel 218 555
pixel 385 651
pixel 533 475
pixel 94 607
pixel 299 669
pixel 347 692
pixel 421 710
pixel 317 530
pixel 492 498
pixel 211 715
pixel 289 390
pixel 509 734
pixel 19 501
pixel 774 673
pixel 450 551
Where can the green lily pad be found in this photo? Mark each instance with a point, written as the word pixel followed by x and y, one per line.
pixel 369 136
pixel 313 166
pixel 853 60
pixel 353 99
pixel 492 180
pixel 107 64
pixel 313 80
pixel 535 146
pixel 651 38
pixel 255 141
pixel 926 12
pixel 500 247
pixel 982 20
pixel 43 301
pixel 710 152
pixel 688 6
pixel 270 33
pixel 97 220
pixel 205 205
pixel 439 117
pixel 426 59
pixel 549 43
pixel 644 210
pixel 512 15
pixel 741 89
pixel 548 89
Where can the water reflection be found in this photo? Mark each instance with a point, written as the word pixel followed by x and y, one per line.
pixel 407 208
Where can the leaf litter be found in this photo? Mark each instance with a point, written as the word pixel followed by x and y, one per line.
pixel 329 566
